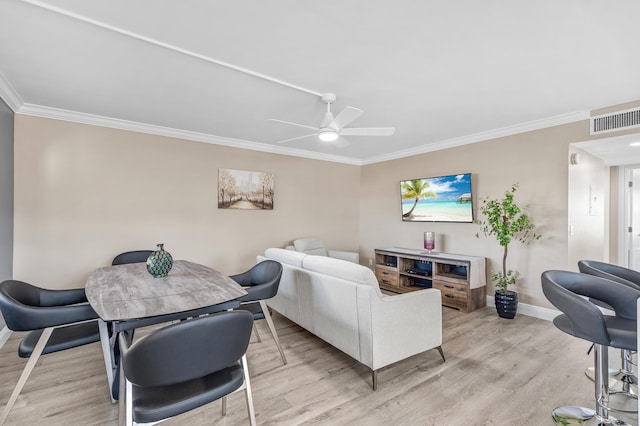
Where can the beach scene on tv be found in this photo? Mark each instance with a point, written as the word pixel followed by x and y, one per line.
pixel 437 199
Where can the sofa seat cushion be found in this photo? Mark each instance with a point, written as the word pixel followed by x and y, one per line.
pixel 340 269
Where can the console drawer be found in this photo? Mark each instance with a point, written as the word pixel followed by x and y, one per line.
pixel 453 295
pixel 386 277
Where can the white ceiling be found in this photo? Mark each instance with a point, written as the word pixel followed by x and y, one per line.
pixel 443 73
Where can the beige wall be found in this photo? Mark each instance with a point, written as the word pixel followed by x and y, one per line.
pixel 6 192
pixel 84 194
pixel 537 160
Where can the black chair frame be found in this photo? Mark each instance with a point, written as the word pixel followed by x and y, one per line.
pixel 55 319
pixel 261 282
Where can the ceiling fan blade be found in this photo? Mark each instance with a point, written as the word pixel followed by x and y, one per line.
pixel 297 137
pixel 294 124
pixel 345 117
pixel 368 131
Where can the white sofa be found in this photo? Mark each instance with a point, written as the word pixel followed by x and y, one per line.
pixel 341 303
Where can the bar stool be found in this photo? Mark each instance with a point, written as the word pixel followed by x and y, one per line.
pixel 573 294
pixel 627 277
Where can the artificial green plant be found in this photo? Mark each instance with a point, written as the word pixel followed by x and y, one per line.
pixel 505 220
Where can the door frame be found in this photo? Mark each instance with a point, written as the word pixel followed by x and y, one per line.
pixel 625 204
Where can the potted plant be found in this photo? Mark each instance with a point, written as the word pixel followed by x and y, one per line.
pixel 507 222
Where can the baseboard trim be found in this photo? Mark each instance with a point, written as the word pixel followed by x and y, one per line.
pixel 530 310
pixel 5 333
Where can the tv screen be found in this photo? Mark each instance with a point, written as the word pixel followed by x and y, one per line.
pixel 437 199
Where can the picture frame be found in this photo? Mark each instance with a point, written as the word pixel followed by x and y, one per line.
pixel 245 190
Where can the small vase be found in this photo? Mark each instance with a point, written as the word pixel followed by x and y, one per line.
pixel 506 304
pixel 429 241
pixel 160 262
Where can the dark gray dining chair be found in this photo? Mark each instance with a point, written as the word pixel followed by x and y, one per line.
pixel 127 257
pixel 185 366
pixel 627 277
pixel 55 320
pixel 135 256
pixel 261 283
pixel 574 294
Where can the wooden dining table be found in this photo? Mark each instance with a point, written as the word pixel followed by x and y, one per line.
pixel 128 297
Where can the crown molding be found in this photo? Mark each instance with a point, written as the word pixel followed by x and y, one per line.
pixel 96 120
pixel 484 136
pixel 9 94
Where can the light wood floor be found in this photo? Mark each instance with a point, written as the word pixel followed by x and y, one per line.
pixel 498 372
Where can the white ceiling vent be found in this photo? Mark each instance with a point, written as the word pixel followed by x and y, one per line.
pixel 615 121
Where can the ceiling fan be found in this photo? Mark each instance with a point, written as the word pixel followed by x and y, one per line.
pixel 332 127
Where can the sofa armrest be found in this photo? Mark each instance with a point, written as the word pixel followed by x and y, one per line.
pixel 404 325
pixel 349 256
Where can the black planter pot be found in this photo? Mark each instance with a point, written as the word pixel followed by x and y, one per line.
pixel 506 304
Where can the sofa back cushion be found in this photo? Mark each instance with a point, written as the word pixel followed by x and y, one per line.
pixel 288 257
pixel 342 269
pixel 310 245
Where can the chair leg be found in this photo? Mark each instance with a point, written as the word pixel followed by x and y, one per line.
pixel 441 354
pixel 272 327
pixel 627 372
pixel 255 331
pixel 224 406
pixel 122 397
pixel 601 364
pixel 374 379
pixel 31 363
pixel 247 391
pixel 128 390
pixel 107 354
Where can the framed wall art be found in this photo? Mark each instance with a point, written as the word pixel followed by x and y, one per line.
pixel 245 190
pixel 437 199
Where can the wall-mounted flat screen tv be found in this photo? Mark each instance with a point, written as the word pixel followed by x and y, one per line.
pixel 437 199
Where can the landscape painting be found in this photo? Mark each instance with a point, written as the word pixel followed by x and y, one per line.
pixel 245 190
pixel 437 199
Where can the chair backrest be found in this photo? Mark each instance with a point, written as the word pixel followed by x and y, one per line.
pixel 136 256
pixel 564 290
pixel 26 307
pixel 559 287
pixel 611 272
pixel 310 245
pixel 262 280
pixel 188 350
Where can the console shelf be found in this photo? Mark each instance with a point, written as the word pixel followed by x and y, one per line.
pixel 460 279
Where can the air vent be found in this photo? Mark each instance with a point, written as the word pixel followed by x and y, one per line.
pixel 615 121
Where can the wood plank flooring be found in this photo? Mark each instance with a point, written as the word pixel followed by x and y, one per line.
pixel 498 372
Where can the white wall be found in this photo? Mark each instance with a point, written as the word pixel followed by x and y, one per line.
pixel 588 209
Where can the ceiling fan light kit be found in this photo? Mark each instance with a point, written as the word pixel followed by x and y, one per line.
pixel 332 127
pixel 328 135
